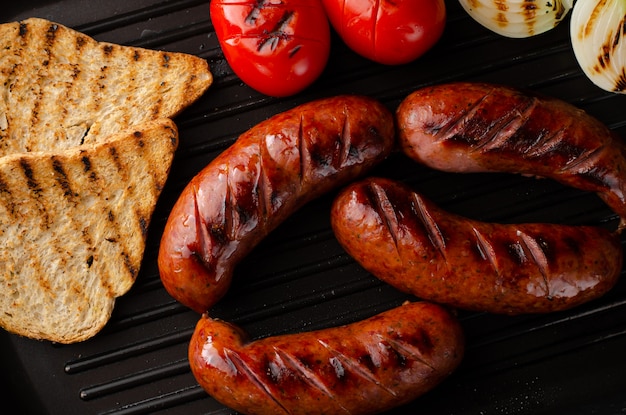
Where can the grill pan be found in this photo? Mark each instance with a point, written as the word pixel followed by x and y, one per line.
pixel 299 278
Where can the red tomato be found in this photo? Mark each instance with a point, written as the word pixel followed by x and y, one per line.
pixel 278 47
pixel 391 32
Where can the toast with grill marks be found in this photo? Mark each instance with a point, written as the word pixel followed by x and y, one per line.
pixel 60 88
pixel 73 227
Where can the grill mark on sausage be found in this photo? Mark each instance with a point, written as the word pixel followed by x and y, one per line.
pixel 451 130
pixel 536 253
pixel 233 359
pixel 586 162
pixel 359 369
pixel 502 130
pixel 385 210
pixel 230 209
pixel 300 370
pixel 345 140
pixel 265 205
pixel 303 151
pixel 435 236
pixel 406 350
pixel 486 250
pixel 545 143
pixel 203 243
pixel 556 143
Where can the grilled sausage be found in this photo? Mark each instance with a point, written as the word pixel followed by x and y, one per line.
pixel 360 368
pixel 474 127
pixel 248 190
pixel 408 242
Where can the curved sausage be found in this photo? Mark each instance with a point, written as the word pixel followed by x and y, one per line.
pixel 361 368
pixel 408 242
pixel 248 190
pixel 476 127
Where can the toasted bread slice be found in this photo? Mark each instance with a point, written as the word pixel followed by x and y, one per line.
pixel 60 88
pixel 73 227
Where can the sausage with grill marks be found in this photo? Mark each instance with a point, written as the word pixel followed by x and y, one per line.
pixel 405 240
pixel 269 172
pixel 360 368
pixel 477 127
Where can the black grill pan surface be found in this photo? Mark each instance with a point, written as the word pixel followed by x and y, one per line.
pixel 298 278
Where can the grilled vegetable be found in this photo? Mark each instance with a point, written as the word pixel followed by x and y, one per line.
pixel 518 18
pixel 597 33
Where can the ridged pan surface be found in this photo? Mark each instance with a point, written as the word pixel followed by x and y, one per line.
pixel 299 278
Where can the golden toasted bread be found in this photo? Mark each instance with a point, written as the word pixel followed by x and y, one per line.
pixel 60 88
pixel 86 145
pixel 73 227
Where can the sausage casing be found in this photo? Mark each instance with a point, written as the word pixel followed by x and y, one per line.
pixel 405 240
pixel 249 189
pixel 360 368
pixel 477 127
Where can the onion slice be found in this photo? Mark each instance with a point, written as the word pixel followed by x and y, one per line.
pixel 518 18
pixel 597 32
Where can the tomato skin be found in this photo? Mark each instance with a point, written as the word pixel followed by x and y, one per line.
pixel 390 32
pixel 278 47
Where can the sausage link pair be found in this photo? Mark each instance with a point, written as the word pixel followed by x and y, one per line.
pixel 361 368
pixel 408 242
pixel 269 172
pixel 477 127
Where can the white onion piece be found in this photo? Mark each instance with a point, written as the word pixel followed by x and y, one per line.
pixel 597 33
pixel 518 18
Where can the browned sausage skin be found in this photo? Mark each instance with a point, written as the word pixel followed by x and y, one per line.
pixel 361 368
pixel 477 127
pixel 248 190
pixel 408 242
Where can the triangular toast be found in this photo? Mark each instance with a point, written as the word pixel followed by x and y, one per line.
pixel 73 226
pixel 60 88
